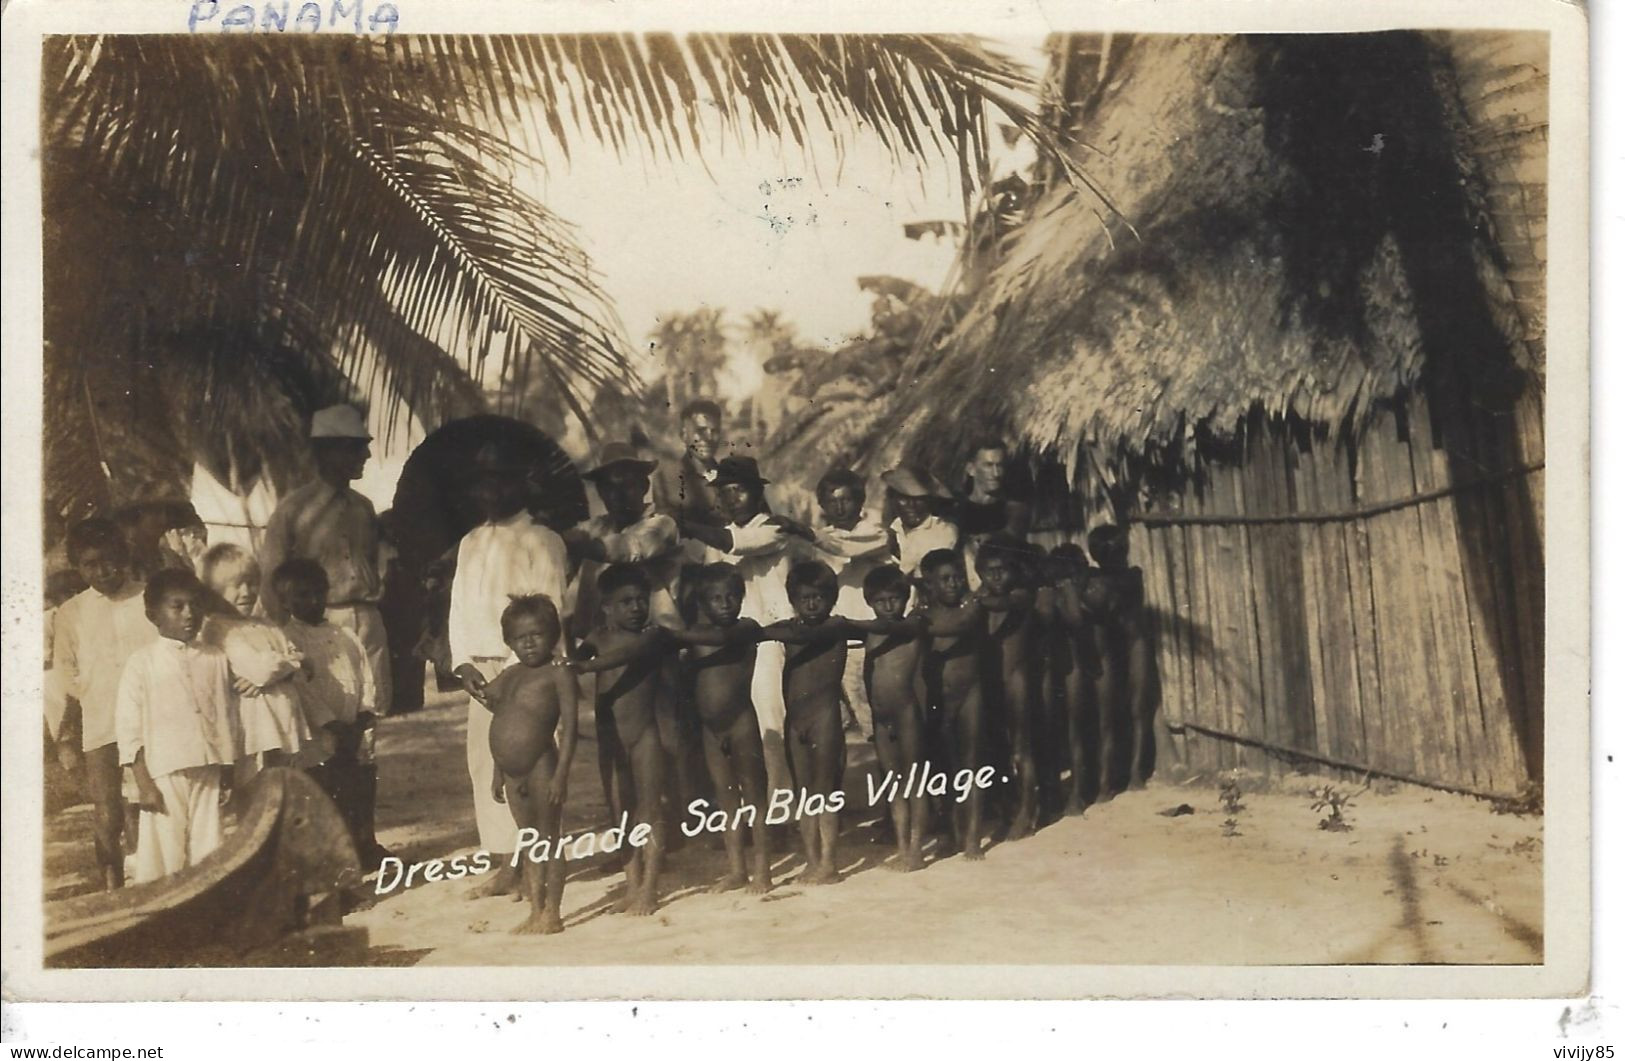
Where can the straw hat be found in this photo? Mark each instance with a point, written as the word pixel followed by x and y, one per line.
pixel 914 482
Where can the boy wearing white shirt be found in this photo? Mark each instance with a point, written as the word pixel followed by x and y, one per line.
pixel 94 636
pixel 177 729
pixel 509 555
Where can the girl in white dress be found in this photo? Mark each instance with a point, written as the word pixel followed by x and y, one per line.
pixel 264 663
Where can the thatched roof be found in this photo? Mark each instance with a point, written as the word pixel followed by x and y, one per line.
pixel 1305 225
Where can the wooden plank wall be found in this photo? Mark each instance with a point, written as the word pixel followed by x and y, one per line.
pixel 1369 640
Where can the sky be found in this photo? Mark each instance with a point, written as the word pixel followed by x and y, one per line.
pixel 746 227
pixel 762 226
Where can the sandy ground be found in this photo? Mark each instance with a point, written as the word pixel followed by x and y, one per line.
pixel 1420 877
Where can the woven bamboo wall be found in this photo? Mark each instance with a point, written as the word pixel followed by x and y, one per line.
pixel 1393 620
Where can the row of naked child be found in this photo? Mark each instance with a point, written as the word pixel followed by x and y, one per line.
pixel 1002 686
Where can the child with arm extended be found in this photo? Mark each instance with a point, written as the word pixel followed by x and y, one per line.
pixel 264 664
pixel 533 741
pixel 631 655
pixel 1115 597
pixel 956 628
pixel 721 662
pixel 1007 596
pixel 893 652
pixel 812 700
pixel 1073 669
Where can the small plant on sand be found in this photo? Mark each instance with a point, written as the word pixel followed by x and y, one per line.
pixel 1230 796
pixel 1229 828
pixel 1333 801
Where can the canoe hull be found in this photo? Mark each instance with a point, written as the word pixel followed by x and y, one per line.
pixel 280 872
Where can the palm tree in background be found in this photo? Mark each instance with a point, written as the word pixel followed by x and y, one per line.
pixel 771 342
pixel 693 347
pixel 239 230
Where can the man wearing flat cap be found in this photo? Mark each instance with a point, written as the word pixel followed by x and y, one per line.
pixel 508 555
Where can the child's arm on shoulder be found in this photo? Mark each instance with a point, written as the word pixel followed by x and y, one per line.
pixel 952 622
pixel 652 640
pixel 913 624
pixel 791 632
pixel 745 631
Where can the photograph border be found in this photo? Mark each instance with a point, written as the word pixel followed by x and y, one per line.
pixel 1567 822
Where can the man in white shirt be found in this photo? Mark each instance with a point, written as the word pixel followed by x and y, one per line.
pixel 508 555
pixel 918 530
pixel 763 547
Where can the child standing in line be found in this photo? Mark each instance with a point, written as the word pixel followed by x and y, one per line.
pixel 892 676
pixel 1013 652
pixel 812 699
pixel 264 665
pixel 721 676
pixel 340 695
pixel 954 667
pixel 96 633
pixel 626 651
pixel 177 729
pixel 533 740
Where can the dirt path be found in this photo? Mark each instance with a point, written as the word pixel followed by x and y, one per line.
pixel 1421 877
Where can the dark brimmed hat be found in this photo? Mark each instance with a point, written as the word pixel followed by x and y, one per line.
pixel 915 482
pixel 732 470
pixel 619 455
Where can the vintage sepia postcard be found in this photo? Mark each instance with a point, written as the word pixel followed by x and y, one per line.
pixel 638 501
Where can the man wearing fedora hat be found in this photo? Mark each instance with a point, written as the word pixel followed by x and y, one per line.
pixel 628 531
pixel 508 555
pixel 762 547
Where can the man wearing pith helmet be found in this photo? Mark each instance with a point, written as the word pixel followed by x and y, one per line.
pixel 329 522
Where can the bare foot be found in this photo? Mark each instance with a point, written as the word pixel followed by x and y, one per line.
pixel 974 853
pixel 819 875
pixel 504 881
pixel 539 925
pixel 1021 827
pixel 731 882
pixel 641 905
pixel 760 884
pixel 1075 806
pixel 913 861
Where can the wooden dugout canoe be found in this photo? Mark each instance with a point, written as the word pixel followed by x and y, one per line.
pixel 276 876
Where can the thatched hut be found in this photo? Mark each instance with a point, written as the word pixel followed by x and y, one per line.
pixel 1301 352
